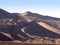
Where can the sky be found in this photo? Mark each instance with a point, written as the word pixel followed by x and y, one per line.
pixel 44 7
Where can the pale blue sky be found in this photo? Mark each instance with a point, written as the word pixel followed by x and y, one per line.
pixel 45 7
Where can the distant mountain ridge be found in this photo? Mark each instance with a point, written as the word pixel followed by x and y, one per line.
pixel 28 13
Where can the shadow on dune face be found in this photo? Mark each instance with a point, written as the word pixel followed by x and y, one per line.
pixel 14 30
pixel 32 28
pixel 37 30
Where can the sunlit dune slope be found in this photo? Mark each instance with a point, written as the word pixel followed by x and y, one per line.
pixel 49 27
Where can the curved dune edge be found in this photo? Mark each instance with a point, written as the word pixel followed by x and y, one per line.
pixel 23 30
pixel 48 27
